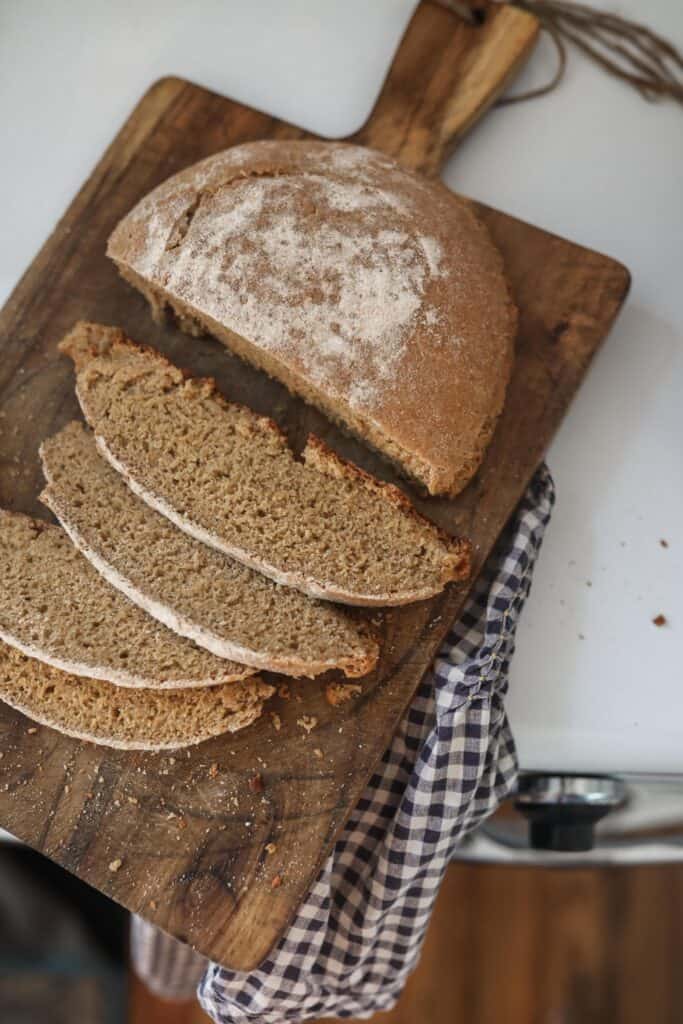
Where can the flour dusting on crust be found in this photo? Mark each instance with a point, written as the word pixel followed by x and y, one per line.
pixel 330 268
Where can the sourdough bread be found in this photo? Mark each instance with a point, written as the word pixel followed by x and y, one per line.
pixel 56 607
pixel 89 709
pixel 193 589
pixel 376 295
pixel 227 477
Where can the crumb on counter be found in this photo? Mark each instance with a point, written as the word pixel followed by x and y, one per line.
pixel 660 620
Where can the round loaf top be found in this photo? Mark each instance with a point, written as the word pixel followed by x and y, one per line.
pixel 359 281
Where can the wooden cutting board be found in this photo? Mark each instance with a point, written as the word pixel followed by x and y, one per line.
pixel 189 829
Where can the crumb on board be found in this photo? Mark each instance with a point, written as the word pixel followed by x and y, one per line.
pixel 256 783
pixel 213 770
pixel 283 691
pixel 660 620
pixel 270 848
pixel 277 882
pixel 32 731
pixel 276 720
pixel 307 722
pixel 340 693
pixel 115 865
pixel 318 753
pixel 153 904
pixel 132 800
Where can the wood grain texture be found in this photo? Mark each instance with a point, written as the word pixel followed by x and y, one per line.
pixel 192 837
pixel 514 945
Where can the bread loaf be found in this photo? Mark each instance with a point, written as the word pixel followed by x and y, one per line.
pixel 376 295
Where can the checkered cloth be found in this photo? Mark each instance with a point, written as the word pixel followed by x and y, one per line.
pixel 358 935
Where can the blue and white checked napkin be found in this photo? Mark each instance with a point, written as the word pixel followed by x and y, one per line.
pixel 358 935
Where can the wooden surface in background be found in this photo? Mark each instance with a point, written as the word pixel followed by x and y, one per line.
pixel 534 946
pixel 191 837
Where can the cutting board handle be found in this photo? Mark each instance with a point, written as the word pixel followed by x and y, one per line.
pixel 445 74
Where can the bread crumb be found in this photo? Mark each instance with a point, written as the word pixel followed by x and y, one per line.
pixel 340 693
pixel 115 865
pixel 318 753
pixel 32 731
pixel 276 720
pixel 132 800
pixel 67 790
pixel 663 543
pixel 283 691
pixel 256 783
pixel 307 722
pixel 152 904
pixel 277 882
pixel 660 620
pixel 270 848
pixel 213 770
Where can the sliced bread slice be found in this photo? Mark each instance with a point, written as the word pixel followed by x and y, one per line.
pixel 227 477
pixel 193 589
pixel 89 709
pixel 56 607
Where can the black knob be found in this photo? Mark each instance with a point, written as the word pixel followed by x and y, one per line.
pixel 562 810
pixel 564 828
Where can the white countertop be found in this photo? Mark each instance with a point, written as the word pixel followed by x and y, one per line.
pixel 595 686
